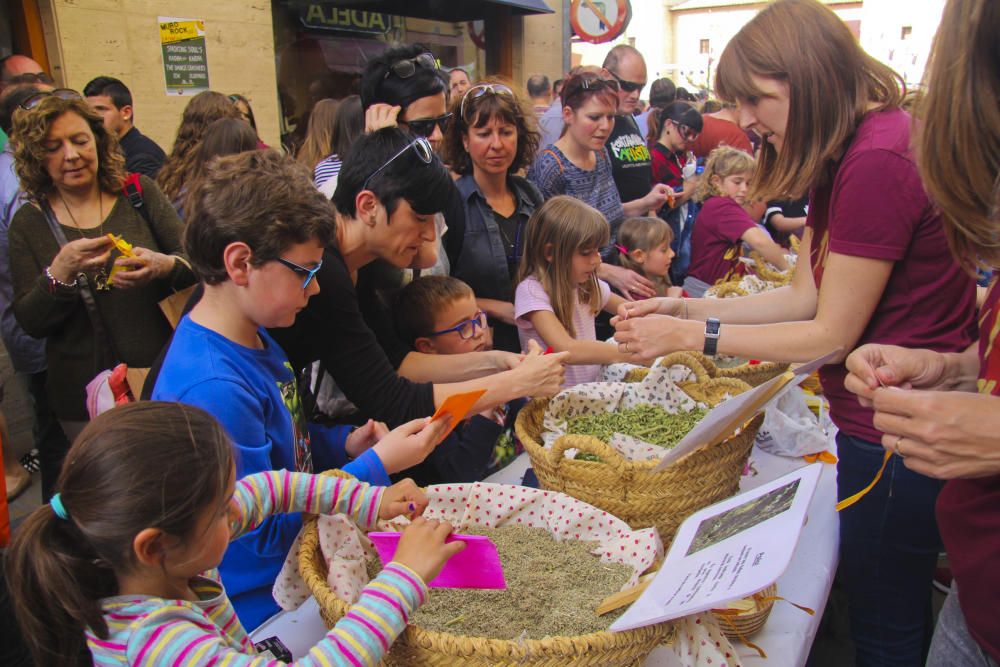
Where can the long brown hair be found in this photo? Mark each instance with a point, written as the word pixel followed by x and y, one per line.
pixel 28 134
pixel 563 225
pixel 958 133
pixel 142 465
pixel 226 136
pixel 201 111
pixel 831 81
pixel 319 133
pixel 645 234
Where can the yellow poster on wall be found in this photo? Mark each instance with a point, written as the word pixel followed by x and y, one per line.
pixel 185 62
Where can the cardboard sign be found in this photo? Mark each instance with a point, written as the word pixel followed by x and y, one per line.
pixel 185 63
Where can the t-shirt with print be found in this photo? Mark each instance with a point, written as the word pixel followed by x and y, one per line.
pixel 531 296
pixel 716 245
pixel 631 163
pixel 875 206
pixel 554 174
pixel 968 510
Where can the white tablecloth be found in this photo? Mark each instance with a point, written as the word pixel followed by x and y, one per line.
pixel 789 632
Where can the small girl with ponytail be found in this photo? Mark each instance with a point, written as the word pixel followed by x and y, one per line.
pixel 644 247
pixel 123 560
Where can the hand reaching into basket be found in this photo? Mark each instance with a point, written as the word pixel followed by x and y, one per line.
pixel 422 547
pixel 404 498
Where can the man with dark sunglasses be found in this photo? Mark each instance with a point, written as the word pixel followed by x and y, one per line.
pixel 631 163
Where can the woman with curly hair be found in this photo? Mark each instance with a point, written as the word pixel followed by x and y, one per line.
pixel 73 173
pixel 201 111
pixel 492 137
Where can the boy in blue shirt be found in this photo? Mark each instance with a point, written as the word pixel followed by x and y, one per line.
pixel 255 236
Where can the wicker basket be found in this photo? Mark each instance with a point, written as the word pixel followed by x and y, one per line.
pixel 745 624
pixel 417 647
pixel 706 371
pixel 632 490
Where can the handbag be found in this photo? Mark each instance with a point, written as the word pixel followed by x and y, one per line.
pixel 97 388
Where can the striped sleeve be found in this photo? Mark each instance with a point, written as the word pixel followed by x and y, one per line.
pixel 263 494
pixel 182 637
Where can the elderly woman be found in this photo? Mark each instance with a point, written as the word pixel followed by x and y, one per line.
pixel 73 173
pixel 873 267
pixel 489 141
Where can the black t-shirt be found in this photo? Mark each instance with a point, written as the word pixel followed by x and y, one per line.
pixel 142 155
pixel 332 330
pixel 790 209
pixel 631 163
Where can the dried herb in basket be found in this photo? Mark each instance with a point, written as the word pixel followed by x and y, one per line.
pixel 648 423
pixel 552 590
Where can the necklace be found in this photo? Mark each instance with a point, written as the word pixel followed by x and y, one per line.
pixel 101 281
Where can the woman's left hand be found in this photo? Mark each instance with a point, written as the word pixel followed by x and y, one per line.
pixel 629 283
pixel 652 336
pixel 363 437
pixel 402 498
pixel 147 265
pixel 941 434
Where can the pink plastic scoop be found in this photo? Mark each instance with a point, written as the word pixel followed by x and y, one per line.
pixel 477 566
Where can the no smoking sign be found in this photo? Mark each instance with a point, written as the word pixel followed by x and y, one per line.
pixel 599 21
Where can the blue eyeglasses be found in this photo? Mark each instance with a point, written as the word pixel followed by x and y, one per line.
pixel 467 328
pixel 301 270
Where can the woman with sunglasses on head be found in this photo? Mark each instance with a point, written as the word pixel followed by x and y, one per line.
pixel 672 131
pixel 62 255
pixel 388 193
pixel 873 267
pixel 493 137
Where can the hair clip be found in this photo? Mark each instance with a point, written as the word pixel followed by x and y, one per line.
pixel 57 506
pixel 622 249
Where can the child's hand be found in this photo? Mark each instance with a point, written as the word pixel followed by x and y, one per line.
pixel 540 374
pixel 364 437
pixel 409 444
pixel 402 498
pixel 422 547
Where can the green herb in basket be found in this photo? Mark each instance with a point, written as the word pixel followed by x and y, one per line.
pixel 648 423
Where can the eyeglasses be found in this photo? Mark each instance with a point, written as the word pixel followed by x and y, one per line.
pixel 404 69
pixel 420 146
pixel 687 133
pixel 466 329
pixel 424 127
pixel 481 89
pixel 628 86
pixel 61 93
pixel 301 270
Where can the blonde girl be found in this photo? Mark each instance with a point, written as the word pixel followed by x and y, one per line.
pixel 644 247
pixel 558 292
pixel 723 226
pixel 121 567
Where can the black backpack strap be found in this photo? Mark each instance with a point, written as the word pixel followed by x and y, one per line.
pixel 133 191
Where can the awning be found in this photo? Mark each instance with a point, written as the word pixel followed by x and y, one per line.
pixel 444 10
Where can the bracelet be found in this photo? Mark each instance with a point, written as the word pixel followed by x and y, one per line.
pixel 55 282
pixel 685 301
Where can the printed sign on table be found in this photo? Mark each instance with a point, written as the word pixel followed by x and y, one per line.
pixel 185 63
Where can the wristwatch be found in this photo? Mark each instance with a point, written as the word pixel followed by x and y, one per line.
pixel 712 326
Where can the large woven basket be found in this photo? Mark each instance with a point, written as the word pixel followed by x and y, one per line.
pixel 418 647
pixel 705 370
pixel 632 490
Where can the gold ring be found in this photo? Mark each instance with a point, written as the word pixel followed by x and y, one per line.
pixel 625 348
pixel 899 452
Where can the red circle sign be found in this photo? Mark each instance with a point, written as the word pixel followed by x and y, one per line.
pixel 591 21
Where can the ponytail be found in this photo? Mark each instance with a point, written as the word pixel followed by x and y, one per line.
pixel 56 581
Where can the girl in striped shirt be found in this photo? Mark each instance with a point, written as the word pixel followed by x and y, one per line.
pixel 119 569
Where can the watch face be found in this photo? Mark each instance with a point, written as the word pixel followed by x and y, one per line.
pixel 712 325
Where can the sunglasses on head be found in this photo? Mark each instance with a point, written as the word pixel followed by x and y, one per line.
pixel 481 89
pixel 420 146
pixel 61 93
pixel 628 86
pixel 592 82
pixel 404 69
pixel 309 274
pixel 687 133
pixel 424 127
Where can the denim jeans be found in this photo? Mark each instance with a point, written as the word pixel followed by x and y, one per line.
pixel 953 646
pixel 889 545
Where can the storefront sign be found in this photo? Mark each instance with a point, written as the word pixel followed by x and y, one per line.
pixel 331 17
pixel 185 64
pixel 599 21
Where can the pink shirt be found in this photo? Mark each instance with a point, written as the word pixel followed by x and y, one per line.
pixel 875 206
pixel 529 297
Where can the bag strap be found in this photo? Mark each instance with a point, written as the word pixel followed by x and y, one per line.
pixel 86 292
pixel 132 188
pixel 556 156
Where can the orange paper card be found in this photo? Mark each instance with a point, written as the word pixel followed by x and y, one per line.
pixel 457 406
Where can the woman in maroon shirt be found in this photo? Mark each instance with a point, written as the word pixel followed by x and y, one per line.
pixel 946 420
pixel 873 267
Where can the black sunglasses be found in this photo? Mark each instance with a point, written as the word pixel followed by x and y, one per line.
pixel 61 93
pixel 424 127
pixel 420 146
pixel 404 69
pixel 628 86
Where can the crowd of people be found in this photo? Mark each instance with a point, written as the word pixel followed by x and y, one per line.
pixel 434 234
